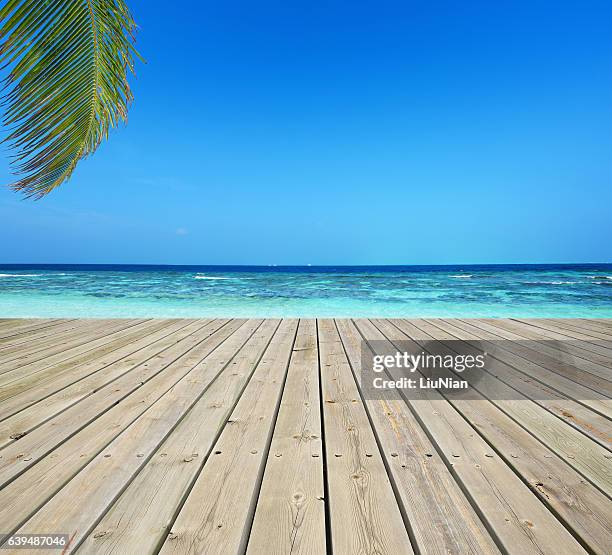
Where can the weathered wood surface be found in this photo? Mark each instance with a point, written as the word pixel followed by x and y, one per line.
pixel 255 436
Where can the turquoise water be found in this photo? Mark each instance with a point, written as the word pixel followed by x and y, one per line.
pixel 207 291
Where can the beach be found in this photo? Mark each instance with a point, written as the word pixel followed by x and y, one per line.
pixel 472 291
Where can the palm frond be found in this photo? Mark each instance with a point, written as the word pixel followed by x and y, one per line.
pixel 67 84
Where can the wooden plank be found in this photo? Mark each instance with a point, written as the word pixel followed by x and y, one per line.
pixel 37 384
pixel 591 415
pixel 581 452
pixel 12 381
pixel 122 498
pixel 364 514
pixel 218 511
pixel 569 328
pixel 574 326
pixel 25 358
pixel 585 342
pixel 602 324
pixel 547 356
pixel 31 489
pixel 71 336
pixel 440 516
pixel 26 451
pixel 581 507
pixel 37 339
pixel 101 482
pixel 35 387
pixel 21 326
pixel 290 514
pixel 45 402
pixel 572 347
pixel 35 362
pixel 575 380
pixel 139 520
pixel 517 519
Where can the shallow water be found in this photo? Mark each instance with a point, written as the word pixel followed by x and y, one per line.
pixel 62 291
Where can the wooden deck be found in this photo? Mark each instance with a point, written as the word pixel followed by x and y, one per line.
pixel 231 436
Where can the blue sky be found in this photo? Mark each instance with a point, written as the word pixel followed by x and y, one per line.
pixel 346 133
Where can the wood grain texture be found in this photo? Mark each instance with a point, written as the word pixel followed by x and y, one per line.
pixel 290 513
pixel 580 350
pixel 557 485
pixel 17 457
pixel 518 520
pixel 440 516
pixel 365 516
pixel 579 451
pixel 583 341
pixel 74 445
pixel 586 410
pixel 140 519
pixel 234 436
pixel 12 328
pixel 217 514
pixel 101 482
pixel 578 370
pixel 87 336
pixel 48 393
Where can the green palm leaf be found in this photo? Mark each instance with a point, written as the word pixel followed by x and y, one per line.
pixel 67 85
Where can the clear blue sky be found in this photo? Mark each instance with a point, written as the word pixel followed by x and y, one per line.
pixel 408 132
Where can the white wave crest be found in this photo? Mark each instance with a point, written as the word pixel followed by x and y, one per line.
pixel 19 275
pixel 212 277
pixel 462 276
pixel 550 282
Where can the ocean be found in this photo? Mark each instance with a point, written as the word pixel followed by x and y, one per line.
pixel 123 291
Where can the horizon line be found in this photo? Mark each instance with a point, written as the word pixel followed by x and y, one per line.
pixel 2 264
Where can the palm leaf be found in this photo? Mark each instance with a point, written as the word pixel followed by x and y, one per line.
pixel 67 84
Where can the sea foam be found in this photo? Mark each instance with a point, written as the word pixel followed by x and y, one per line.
pixel 212 277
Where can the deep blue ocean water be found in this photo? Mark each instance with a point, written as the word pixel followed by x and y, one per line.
pixel 577 290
